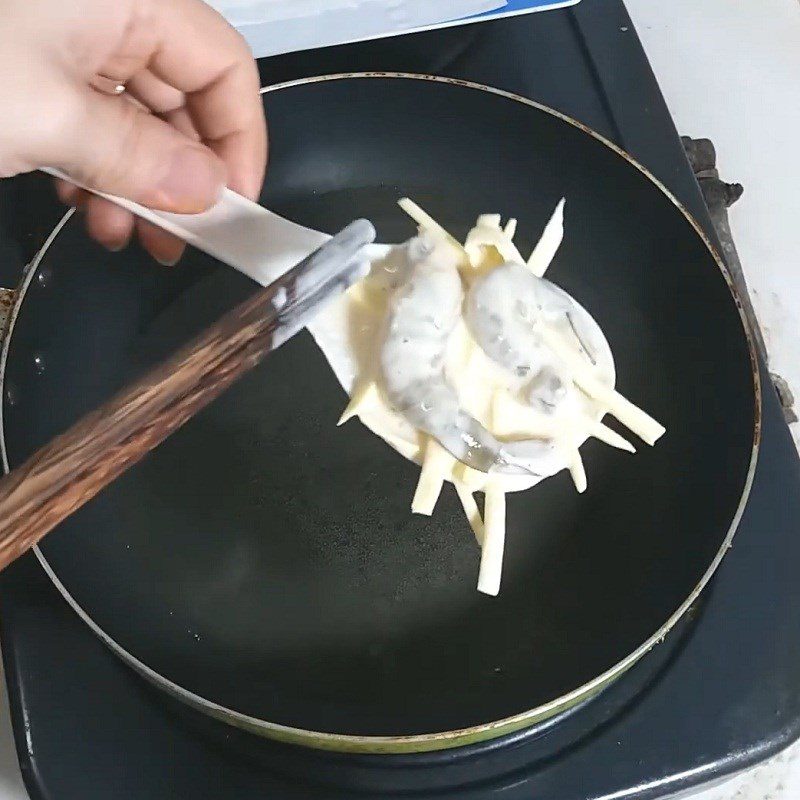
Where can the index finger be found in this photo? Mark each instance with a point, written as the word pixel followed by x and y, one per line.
pixel 201 55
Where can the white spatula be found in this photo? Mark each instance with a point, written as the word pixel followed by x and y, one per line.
pixel 243 234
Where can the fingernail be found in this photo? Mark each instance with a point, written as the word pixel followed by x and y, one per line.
pixel 193 182
pixel 112 245
pixel 168 262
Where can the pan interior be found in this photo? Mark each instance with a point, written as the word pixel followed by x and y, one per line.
pixel 268 561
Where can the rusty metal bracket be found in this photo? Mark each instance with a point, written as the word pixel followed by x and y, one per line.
pixel 7 298
pixel 719 197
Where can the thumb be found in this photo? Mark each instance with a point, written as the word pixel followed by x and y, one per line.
pixel 119 148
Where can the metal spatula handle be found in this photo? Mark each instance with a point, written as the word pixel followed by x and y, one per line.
pixel 62 476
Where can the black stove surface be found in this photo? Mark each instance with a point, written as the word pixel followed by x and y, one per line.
pixel 722 693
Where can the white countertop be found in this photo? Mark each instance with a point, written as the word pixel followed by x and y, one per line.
pixel 731 72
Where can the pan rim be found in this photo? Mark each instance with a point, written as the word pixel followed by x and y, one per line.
pixel 462 736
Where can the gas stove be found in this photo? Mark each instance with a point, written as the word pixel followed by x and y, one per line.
pixel 721 694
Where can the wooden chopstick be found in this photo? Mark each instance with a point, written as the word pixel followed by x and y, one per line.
pixel 66 473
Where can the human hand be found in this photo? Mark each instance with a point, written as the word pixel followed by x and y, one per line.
pixel 189 121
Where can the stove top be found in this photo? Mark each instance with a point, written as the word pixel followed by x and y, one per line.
pixel 723 691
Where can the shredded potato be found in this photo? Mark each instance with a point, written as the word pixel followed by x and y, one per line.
pixel 494 540
pixel 436 465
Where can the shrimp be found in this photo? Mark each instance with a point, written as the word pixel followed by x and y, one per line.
pixel 423 312
pixel 502 312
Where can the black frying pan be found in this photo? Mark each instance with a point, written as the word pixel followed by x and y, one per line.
pixel 264 565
